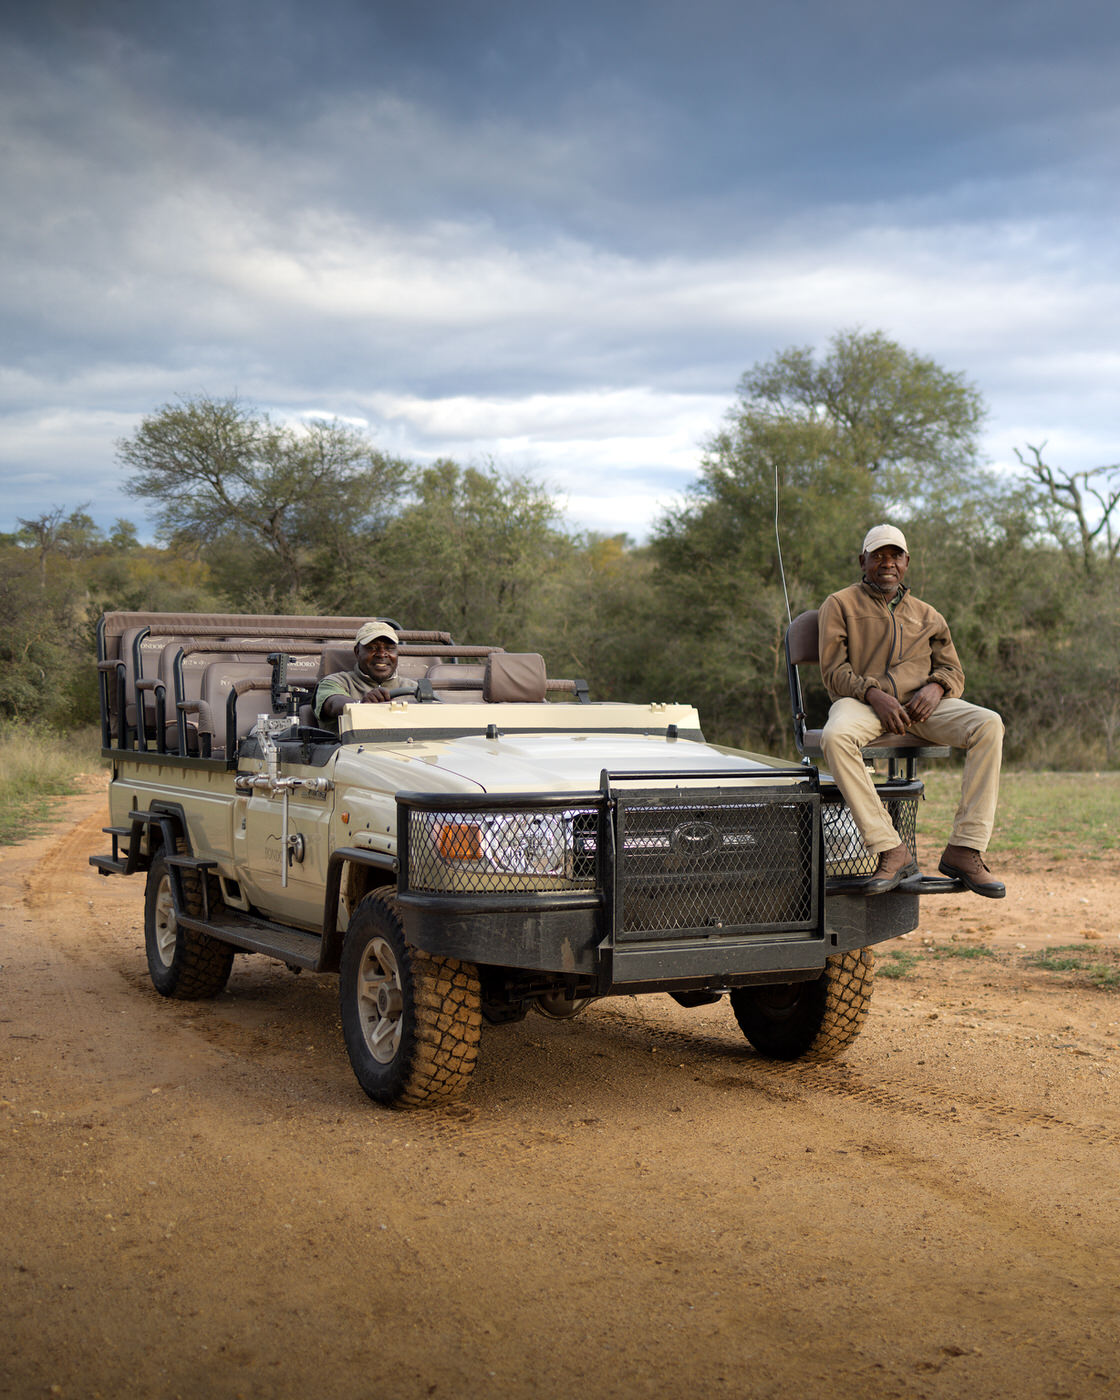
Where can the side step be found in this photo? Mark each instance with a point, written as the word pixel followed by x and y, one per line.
pixel 932 884
pixel 107 865
pixel 916 884
pixel 116 864
pixel 292 946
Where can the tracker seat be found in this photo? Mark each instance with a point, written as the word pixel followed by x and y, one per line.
pixel 803 649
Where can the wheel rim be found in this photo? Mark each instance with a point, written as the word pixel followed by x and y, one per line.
pixel 166 929
pixel 380 1001
pixel 780 1003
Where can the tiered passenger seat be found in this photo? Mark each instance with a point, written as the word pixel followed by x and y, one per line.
pixel 193 683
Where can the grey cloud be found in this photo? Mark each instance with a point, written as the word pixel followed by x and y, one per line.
pixel 495 201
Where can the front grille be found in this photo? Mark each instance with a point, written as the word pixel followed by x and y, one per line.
pixel 715 866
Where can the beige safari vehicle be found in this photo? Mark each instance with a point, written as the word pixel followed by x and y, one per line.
pixel 493 844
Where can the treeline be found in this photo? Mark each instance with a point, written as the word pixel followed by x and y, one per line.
pixel 253 516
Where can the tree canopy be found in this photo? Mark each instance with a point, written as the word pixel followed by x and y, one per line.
pixel 303 499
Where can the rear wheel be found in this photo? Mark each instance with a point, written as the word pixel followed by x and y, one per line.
pixel 182 964
pixel 811 1020
pixel 411 1021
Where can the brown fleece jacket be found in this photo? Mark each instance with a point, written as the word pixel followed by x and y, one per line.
pixel 863 644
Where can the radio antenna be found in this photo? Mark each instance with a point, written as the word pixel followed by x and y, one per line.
pixel 778 542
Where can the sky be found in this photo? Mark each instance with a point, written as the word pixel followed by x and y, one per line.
pixel 550 236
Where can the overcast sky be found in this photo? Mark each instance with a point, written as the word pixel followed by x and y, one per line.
pixel 553 234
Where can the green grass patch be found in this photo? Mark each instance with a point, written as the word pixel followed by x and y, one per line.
pixel 37 767
pixel 902 963
pixel 1053 816
pixel 1095 965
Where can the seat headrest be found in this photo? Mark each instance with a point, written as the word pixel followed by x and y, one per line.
pixel 336 656
pixel 514 676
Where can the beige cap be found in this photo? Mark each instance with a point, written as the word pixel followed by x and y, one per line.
pixel 370 630
pixel 880 535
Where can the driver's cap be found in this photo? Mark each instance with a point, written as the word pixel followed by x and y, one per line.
pixel 371 630
pixel 880 535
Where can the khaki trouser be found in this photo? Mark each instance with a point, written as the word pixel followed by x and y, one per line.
pixel 851 724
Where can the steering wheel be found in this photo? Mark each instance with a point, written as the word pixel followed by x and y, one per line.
pixel 422 693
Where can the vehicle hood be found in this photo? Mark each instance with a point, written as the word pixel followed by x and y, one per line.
pixel 543 763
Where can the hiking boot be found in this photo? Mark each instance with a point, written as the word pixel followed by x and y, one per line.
pixel 894 866
pixel 966 865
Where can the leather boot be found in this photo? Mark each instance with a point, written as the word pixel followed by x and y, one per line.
pixel 894 866
pixel 966 865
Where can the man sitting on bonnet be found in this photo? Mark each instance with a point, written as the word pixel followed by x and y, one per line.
pixel 889 664
pixel 373 677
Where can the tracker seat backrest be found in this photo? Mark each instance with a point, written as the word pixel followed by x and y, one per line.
pixel 140 651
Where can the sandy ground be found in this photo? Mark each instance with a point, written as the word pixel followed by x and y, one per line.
pixel 199 1201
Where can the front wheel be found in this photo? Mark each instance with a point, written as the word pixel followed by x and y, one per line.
pixel 812 1020
pixel 411 1021
pixel 182 964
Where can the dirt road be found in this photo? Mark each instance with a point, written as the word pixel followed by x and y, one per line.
pixel 199 1201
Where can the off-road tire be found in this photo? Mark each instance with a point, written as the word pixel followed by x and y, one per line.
pixel 182 964
pixel 809 1020
pixel 411 1021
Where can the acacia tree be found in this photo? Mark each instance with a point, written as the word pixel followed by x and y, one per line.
pixel 302 502
pixel 70 534
pixel 1064 499
pixel 882 407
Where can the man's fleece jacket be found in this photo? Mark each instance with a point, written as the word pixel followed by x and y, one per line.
pixel 864 645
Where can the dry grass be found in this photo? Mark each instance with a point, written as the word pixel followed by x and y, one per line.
pixel 38 766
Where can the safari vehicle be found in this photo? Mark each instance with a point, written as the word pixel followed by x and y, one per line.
pixel 495 843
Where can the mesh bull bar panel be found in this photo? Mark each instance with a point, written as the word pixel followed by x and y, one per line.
pixel 715 862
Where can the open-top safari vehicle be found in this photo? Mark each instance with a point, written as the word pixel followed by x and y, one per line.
pixel 493 843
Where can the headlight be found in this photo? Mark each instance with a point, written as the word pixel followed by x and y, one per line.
pixel 527 844
pixel 844 851
pixel 521 843
pixel 499 851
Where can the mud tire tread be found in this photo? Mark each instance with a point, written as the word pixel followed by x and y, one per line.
pixel 443 1013
pixel 201 966
pixel 824 1017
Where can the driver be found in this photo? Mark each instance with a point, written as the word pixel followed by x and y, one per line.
pixel 373 679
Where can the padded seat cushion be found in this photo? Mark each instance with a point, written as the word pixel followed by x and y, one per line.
pixel 885 746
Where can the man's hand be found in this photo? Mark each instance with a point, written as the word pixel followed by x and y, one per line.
pixel 923 702
pixel 892 716
pixel 334 705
